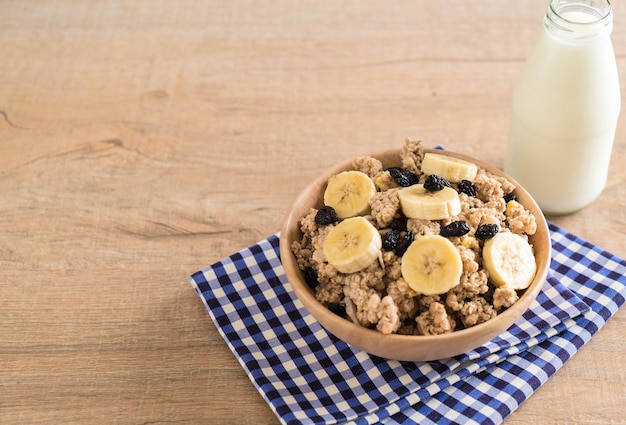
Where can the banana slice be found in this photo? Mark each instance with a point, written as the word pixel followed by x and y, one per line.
pixel 352 245
pixel 510 260
pixel 417 202
pixel 349 193
pixel 452 169
pixel 432 265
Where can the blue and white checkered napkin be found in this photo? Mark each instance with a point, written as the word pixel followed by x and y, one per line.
pixel 308 376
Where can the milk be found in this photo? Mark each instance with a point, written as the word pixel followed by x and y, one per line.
pixel 565 109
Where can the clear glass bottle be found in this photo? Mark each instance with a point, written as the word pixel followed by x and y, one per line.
pixel 565 108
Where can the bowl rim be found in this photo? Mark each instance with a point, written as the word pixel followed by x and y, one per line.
pixel 306 295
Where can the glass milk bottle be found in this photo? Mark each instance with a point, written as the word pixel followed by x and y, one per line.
pixel 565 108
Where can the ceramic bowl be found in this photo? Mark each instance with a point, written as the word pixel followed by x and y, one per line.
pixel 407 347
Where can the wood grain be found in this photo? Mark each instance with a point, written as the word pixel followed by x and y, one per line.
pixel 141 141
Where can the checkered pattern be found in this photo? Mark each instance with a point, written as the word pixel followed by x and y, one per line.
pixel 308 376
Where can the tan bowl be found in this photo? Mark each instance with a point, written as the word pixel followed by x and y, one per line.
pixel 407 347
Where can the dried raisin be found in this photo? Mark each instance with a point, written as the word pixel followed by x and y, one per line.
pixel 403 177
pixel 391 239
pixel 468 188
pixel 486 231
pixel 326 215
pixel 435 183
pixel 403 244
pixel 456 228
pixel 398 223
pixel 310 276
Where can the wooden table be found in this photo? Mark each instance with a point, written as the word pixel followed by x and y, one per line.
pixel 141 141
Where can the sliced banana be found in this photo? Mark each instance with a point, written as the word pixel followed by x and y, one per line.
pixel 352 245
pixel 510 260
pixel 349 193
pixel 452 169
pixel 432 265
pixel 417 202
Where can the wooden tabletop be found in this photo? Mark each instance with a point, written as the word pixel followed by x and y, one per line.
pixel 142 141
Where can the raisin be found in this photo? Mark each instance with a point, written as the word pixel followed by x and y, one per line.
pixel 456 228
pixel 398 223
pixel 391 239
pixel 468 188
pixel 338 309
pixel 435 183
pixel 326 215
pixel 403 177
pixel 310 276
pixel 510 197
pixel 486 231
pixel 403 244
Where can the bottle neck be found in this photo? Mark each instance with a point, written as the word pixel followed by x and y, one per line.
pixel 579 20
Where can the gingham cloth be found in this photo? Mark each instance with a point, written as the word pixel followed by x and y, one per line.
pixel 306 375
